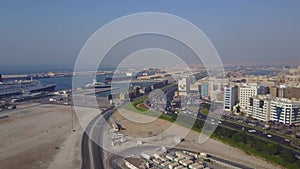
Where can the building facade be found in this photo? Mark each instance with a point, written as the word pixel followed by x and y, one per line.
pixel 183 86
pixel 259 107
pixel 204 90
pixel 135 163
pixel 263 90
pixel 285 92
pixel 285 111
pixel 230 97
pixel 246 92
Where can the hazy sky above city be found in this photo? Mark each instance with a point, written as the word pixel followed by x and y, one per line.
pixel 53 32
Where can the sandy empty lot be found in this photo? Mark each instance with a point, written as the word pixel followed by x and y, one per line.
pixel 131 121
pixel 211 146
pixel 40 136
pixel 35 135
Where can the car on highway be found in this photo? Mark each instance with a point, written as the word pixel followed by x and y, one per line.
pixel 252 131
pixel 240 121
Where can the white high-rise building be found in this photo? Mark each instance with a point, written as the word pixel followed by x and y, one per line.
pixel 246 92
pixel 183 86
pixel 285 111
pixel 259 107
pixel 230 97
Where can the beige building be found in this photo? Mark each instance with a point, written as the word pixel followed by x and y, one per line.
pixel 259 107
pixel 247 91
pixel 285 92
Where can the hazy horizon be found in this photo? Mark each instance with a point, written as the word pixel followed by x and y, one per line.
pixel 52 33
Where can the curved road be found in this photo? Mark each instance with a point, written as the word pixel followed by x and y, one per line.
pixel 89 149
pixel 92 153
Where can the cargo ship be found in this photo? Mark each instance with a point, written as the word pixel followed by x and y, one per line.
pixel 18 87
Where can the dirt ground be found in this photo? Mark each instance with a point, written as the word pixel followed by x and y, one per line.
pixel 40 136
pixel 147 126
pixel 135 126
pixel 36 135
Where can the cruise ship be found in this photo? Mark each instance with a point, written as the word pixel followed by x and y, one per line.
pixel 18 87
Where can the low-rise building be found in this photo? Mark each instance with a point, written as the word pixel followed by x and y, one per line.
pixel 196 166
pixel 178 159
pixel 165 164
pixel 163 158
pixel 157 161
pixel 173 165
pixel 179 167
pixel 170 157
pixel 186 162
pixel 135 163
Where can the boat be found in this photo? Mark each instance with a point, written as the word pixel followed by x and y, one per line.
pixel 18 87
pixel 96 84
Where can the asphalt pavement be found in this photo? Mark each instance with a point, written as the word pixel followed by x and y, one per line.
pixel 94 159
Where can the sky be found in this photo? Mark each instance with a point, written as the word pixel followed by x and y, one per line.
pixel 52 32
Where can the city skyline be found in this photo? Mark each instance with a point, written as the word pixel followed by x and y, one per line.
pixel 150 84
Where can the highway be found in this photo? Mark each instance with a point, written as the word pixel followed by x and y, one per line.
pixel 92 153
pixel 258 133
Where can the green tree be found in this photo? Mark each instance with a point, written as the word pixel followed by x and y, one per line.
pixel 239 137
pixel 298 163
pixel 287 156
pixel 272 149
pixel 238 109
pixel 227 133
pixel 259 145
pixel 251 143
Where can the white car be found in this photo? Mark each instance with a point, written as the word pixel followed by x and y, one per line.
pixel 269 135
pixel 252 131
